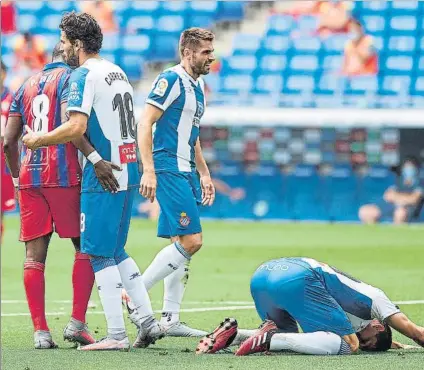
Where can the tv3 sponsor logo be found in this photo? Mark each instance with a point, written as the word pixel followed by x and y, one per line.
pixel 128 153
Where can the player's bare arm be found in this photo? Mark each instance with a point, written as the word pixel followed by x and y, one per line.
pixel 11 147
pixel 403 325
pixel 407 199
pixel 69 131
pixel 208 189
pixel 148 184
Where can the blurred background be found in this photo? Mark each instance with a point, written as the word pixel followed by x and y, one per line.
pixel 313 106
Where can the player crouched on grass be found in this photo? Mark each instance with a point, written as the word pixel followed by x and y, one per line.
pixel 48 180
pixel 337 313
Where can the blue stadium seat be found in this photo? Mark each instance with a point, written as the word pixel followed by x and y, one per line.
pixel 273 63
pixel 237 83
pixel 141 22
pixel 304 63
pixel 395 85
pixel 246 44
pixel 404 7
pixel 51 23
pixel 230 11
pixel 418 88
pixel 374 24
pixel 306 45
pixel 29 7
pixel 421 65
pixel 111 42
pixel 332 62
pixel 363 84
pixel 204 6
pixel 146 7
pixel 402 44
pixel 175 7
pixel 50 41
pixel 280 24
pixel 330 84
pixel 334 44
pixel 299 84
pixel 27 22
pixel 404 24
pixel 59 6
pixel 276 44
pixel 399 64
pixel 136 44
pixel 241 63
pixel 164 47
pixel 373 7
pixel 307 23
pixel 201 13
pixel 111 57
pixel 170 23
pixel 269 83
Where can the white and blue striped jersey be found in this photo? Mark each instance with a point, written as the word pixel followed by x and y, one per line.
pixel 182 100
pixel 101 90
pixel 361 302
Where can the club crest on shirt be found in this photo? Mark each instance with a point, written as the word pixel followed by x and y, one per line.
pixel 161 87
pixel 184 219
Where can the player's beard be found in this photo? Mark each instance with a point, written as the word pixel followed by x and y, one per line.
pixel 72 59
pixel 200 68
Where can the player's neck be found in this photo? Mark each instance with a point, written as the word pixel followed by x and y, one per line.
pixel 83 58
pixel 189 70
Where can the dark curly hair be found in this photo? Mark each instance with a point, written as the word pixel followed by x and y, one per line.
pixel 384 340
pixel 83 27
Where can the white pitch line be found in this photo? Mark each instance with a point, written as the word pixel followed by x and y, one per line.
pixel 202 309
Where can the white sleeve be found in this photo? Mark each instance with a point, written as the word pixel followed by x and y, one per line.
pixel 81 91
pixel 382 306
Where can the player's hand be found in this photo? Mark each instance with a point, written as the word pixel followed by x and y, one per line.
pixel 148 185
pixel 104 172
pixel 208 190
pixel 31 139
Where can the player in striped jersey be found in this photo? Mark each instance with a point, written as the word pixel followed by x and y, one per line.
pixel 49 195
pixel 171 164
pixel 100 105
pixel 338 314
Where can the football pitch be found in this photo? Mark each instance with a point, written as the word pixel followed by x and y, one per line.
pixel 389 257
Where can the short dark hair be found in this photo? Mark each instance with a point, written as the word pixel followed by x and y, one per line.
pixel 384 340
pixel 83 27
pixel 3 66
pixel 57 52
pixel 190 38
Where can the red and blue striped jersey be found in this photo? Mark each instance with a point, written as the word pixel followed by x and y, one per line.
pixel 38 103
pixel 6 100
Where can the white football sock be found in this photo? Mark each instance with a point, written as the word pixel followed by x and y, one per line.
pixel 109 286
pixel 167 261
pixel 242 335
pixel 318 343
pixel 174 288
pixel 134 285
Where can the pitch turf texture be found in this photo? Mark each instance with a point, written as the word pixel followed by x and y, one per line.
pixel 387 256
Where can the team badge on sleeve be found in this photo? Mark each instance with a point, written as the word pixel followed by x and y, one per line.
pixel 161 87
pixel 184 219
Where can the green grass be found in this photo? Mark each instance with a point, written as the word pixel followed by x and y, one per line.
pixel 388 257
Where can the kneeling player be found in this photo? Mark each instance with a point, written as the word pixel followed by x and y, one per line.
pixel 337 313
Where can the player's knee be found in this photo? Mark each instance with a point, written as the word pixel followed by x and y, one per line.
pixel 191 243
pixel 400 215
pixel 36 250
pixel 369 214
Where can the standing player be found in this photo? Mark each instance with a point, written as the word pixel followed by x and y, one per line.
pixel 49 196
pixel 176 105
pixel 337 313
pixel 7 188
pixel 100 103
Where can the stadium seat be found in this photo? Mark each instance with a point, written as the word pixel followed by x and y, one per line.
pixel 29 6
pixel 276 45
pixel 246 44
pixel 241 63
pixel 170 23
pixel 405 44
pixel 404 25
pixel 27 22
pixel 272 63
pixel 140 23
pixel 164 47
pixel 306 45
pixel 332 62
pixel 230 11
pixel 175 7
pixel 144 7
pixel 136 44
pixel 132 65
pixel 307 23
pixel 395 85
pixel 270 83
pixel 399 64
pixel 111 42
pixel 363 84
pixel 334 44
pixel 237 83
pixel 374 24
pixel 59 6
pixel 304 63
pixel 280 24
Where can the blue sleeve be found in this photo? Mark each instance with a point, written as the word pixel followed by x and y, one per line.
pixel 165 90
pixel 81 91
pixel 15 107
pixel 63 88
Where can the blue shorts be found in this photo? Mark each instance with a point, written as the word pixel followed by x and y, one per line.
pixel 288 293
pixel 105 222
pixel 179 196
